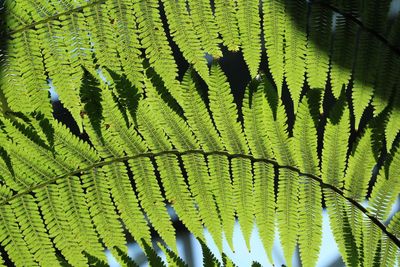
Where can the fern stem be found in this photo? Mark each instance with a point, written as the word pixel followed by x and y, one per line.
pixel 340 192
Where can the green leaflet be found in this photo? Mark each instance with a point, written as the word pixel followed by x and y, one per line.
pixel 274 29
pixel 288 184
pixel 154 41
pixel 364 75
pixel 176 189
pixel 358 173
pixel 225 16
pixel 334 155
pixel 254 113
pixel 225 117
pixel 305 143
pixel 319 41
pixel 205 25
pixel 295 48
pixel 389 250
pixel 195 166
pixel 249 29
pixel 200 122
pixel 392 129
pixel 343 51
pixel 33 230
pixel 183 32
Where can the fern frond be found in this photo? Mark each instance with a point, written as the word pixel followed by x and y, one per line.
pixel 195 165
pixel 102 209
pixel 60 231
pixel 342 233
pixel 183 33
pixel 151 199
pixel 154 40
pixel 198 118
pixel 253 108
pixel 310 217
pixel 343 50
pixel 176 189
pixel 364 74
pixel 288 185
pixel 295 48
pixel 250 30
pixel 386 71
pixel 318 45
pixel 26 62
pixel 123 25
pixel 33 230
pixel 358 174
pixel 224 113
pixel 392 128
pixel 65 76
pixel 389 251
pixel 76 211
pixel 127 203
pixel 11 237
pixel 334 155
pixel 225 16
pixel 205 25
pixel 274 30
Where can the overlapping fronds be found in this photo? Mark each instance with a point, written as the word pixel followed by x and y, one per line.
pixel 148 139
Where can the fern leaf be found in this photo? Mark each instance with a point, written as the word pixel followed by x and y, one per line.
pixel 358 174
pixel 334 152
pixel 205 25
pixel 175 187
pixel 151 199
pixel 33 230
pixel 66 77
pixel 154 41
pixel 77 213
pixel 282 146
pixel 274 29
pixel 172 258
pixel 127 203
pixel 183 33
pixel 120 12
pixel 295 48
pixel 195 166
pixel 101 207
pixel 392 128
pixel 359 168
pixel 389 250
pixel 225 16
pixel 341 228
pixel 249 28
pixel 223 192
pixel 224 113
pixel 343 50
pixel 310 217
pixel 319 41
pixel 364 75
pixel 101 36
pixel 70 149
pixel 52 209
pixel 386 71
pixel 253 108
pixel 27 60
pixel 12 240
